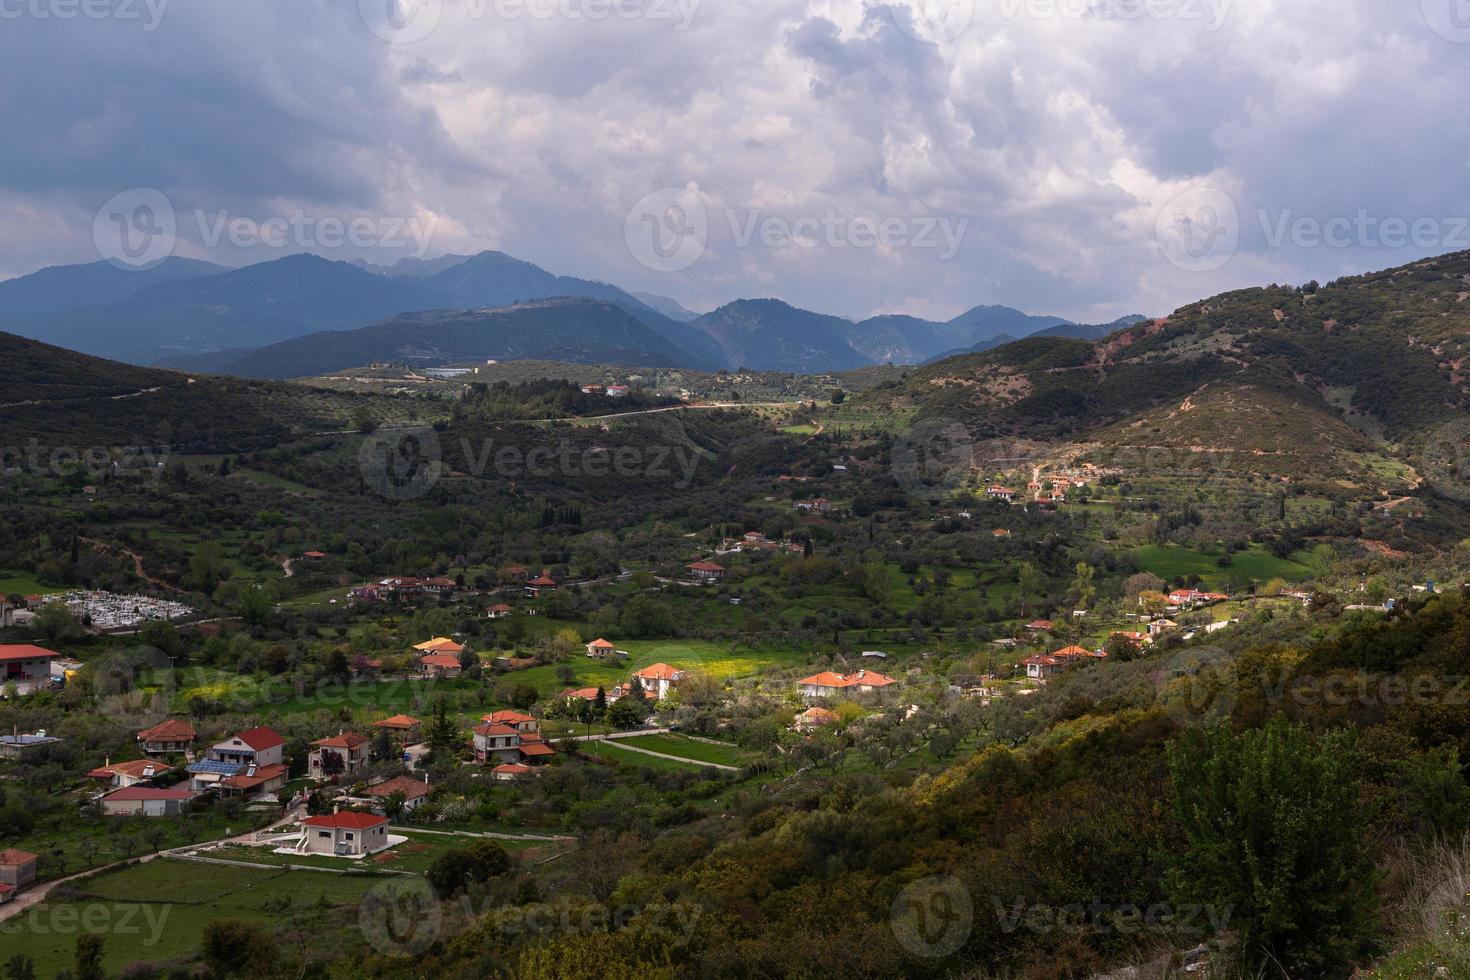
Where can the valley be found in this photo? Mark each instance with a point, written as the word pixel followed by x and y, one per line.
pixel 772 644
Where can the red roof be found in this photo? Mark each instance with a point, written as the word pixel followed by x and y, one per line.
pixel 440 660
pixel 863 678
pixel 602 644
pixel 410 788
pixel 585 693
pixel 513 769
pixel 137 769
pixel 397 721
pixel 261 738
pixel 489 730
pixel 171 730
pixel 261 776
pixel 315 554
pixel 346 820
pixel 706 566
pixel 659 672
pixel 14 855
pixel 544 579
pixel 536 749
pixel 826 678
pixel 507 718
pixel 346 740
pixel 25 651
pixel 150 793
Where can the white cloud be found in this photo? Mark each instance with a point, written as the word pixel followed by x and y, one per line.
pixel 1058 137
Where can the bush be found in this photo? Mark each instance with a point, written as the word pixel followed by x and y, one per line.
pixel 1276 839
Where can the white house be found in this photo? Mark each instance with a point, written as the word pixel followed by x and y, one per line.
pixel 658 679
pixel 831 684
pixel 345 834
pixel 257 747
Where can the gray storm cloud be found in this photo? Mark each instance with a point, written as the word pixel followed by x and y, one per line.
pixel 1060 133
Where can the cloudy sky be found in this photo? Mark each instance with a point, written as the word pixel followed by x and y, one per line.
pixel 1086 158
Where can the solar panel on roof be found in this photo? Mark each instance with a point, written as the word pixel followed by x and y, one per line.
pixel 210 766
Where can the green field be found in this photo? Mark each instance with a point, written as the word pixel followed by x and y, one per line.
pixel 719 660
pixel 22 583
pixel 156 912
pixel 1173 564
pixel 689 748
pixel 61 840
pixel 610 752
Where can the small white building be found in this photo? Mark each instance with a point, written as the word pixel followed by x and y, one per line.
pixel 345 834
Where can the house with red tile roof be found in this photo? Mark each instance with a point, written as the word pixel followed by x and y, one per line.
pixel 440 665
pixel 658 679
pixel 1041 666
pixel 707 572
pixel 26 665
pixel 254 747
pixel 171 737
pixel 600 649
pixel 520 722
pixel 499 742
pixel 116 775
pixel 509 772
pixel 541 583
pixel 253 780
pixel 17 869
pixel 831 684
pixel 349 748
pixel 499 611
pixel 415 791
pixel 344 834
pixel 404 729
pixel 590 694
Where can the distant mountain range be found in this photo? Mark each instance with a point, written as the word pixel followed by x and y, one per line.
pixel 577 331
pixel 304 315
pixel 1077 331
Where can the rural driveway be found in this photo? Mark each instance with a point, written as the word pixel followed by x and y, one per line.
pixel 37 894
